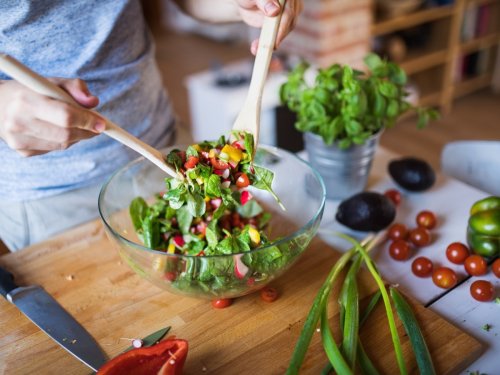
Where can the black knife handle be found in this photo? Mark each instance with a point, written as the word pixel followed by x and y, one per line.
pixel 7 283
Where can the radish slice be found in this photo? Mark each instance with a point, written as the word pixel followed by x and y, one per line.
pixel 216 202
pixel 245 197
pixel 240 269
pixel 178 241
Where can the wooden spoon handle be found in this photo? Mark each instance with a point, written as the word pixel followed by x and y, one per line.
pixel 267 40
pixel 43 86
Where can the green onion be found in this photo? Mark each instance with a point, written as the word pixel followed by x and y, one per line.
pixel 373 302
pixel 351 319
pixel 387 303
pixel 315 313
pixel 331 349
pixel 422 355
pixel 318 306
pixel 365 363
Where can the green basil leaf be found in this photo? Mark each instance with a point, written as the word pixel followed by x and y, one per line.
pixel 373 61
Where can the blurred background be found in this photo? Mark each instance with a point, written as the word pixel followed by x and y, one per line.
pixel 449 49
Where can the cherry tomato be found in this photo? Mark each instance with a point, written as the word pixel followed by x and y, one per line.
pixel 475 265
pixel 191 162
pixel 219 164
pixel 426 219
pixel 420 236
pixel 482 290
pixel 394 195
pixel 495 267
pixel 242 181
pixel 222 303
pixel 268 294
pixel 444 277
pixel 457 252
pixel 397 231
pixel 422 267
pixel 170 276
pixel 400 250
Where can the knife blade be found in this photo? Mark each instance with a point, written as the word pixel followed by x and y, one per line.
pixel 46 313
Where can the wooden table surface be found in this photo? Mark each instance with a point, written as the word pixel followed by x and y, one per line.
pixel 82 270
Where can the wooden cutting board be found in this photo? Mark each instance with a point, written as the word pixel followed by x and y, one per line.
pixel 82 270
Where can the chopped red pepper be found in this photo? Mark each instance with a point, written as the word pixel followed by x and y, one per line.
pixel 165 358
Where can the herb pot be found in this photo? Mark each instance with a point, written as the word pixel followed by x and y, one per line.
pixel 344 171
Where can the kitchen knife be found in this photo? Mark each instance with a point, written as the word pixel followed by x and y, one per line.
pixel 50 317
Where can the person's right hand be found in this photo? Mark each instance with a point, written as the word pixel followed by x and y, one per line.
pixel 34 124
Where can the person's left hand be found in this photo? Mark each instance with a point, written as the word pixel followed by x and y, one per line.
pixel 253 12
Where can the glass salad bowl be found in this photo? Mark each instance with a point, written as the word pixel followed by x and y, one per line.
pixel 300 189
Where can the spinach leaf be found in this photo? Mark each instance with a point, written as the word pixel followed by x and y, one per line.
pixel 151 232
pixel 264 181
pixel 138 210
pixel 213 187
pixel 195 204
pixel 184 218
pixel 250 209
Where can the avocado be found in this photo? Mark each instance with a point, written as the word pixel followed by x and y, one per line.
pixel 412 174
pixel 366 211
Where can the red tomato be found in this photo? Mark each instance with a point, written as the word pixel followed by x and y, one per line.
pixel 170 276
pixel 268 294
pixel 426 219
pixel 420 236
pixel 444 277
pixel 191 162
pixel 397 231
pixel 495 267
pixel 400 250
pixel 482 290
pixel 219 164
pixel 394 195
pixel 475 265
pixel 221 303
pixel 457 252
pixel 422 267
pixel 242 181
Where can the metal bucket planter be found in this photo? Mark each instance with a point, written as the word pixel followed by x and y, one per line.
pixel 345 172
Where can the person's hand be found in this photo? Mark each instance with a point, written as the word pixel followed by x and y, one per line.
pixel 253 11
pixel 34 124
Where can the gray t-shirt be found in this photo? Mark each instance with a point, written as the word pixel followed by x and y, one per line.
pixel 107 44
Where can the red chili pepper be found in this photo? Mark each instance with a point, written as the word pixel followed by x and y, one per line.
pixel 165 358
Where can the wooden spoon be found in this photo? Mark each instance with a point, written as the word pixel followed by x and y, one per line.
pixel 249 117
pixel 25 76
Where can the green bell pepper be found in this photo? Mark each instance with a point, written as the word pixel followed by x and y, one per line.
pixel 483 231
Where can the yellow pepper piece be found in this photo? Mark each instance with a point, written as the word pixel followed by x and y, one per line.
pixel 171 248
pixel 254 236
pixel 234 153
pixel 196 147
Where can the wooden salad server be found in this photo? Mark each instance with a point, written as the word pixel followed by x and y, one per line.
pixel 249 117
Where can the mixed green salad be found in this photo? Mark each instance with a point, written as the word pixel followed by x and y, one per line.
pixel 208 213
